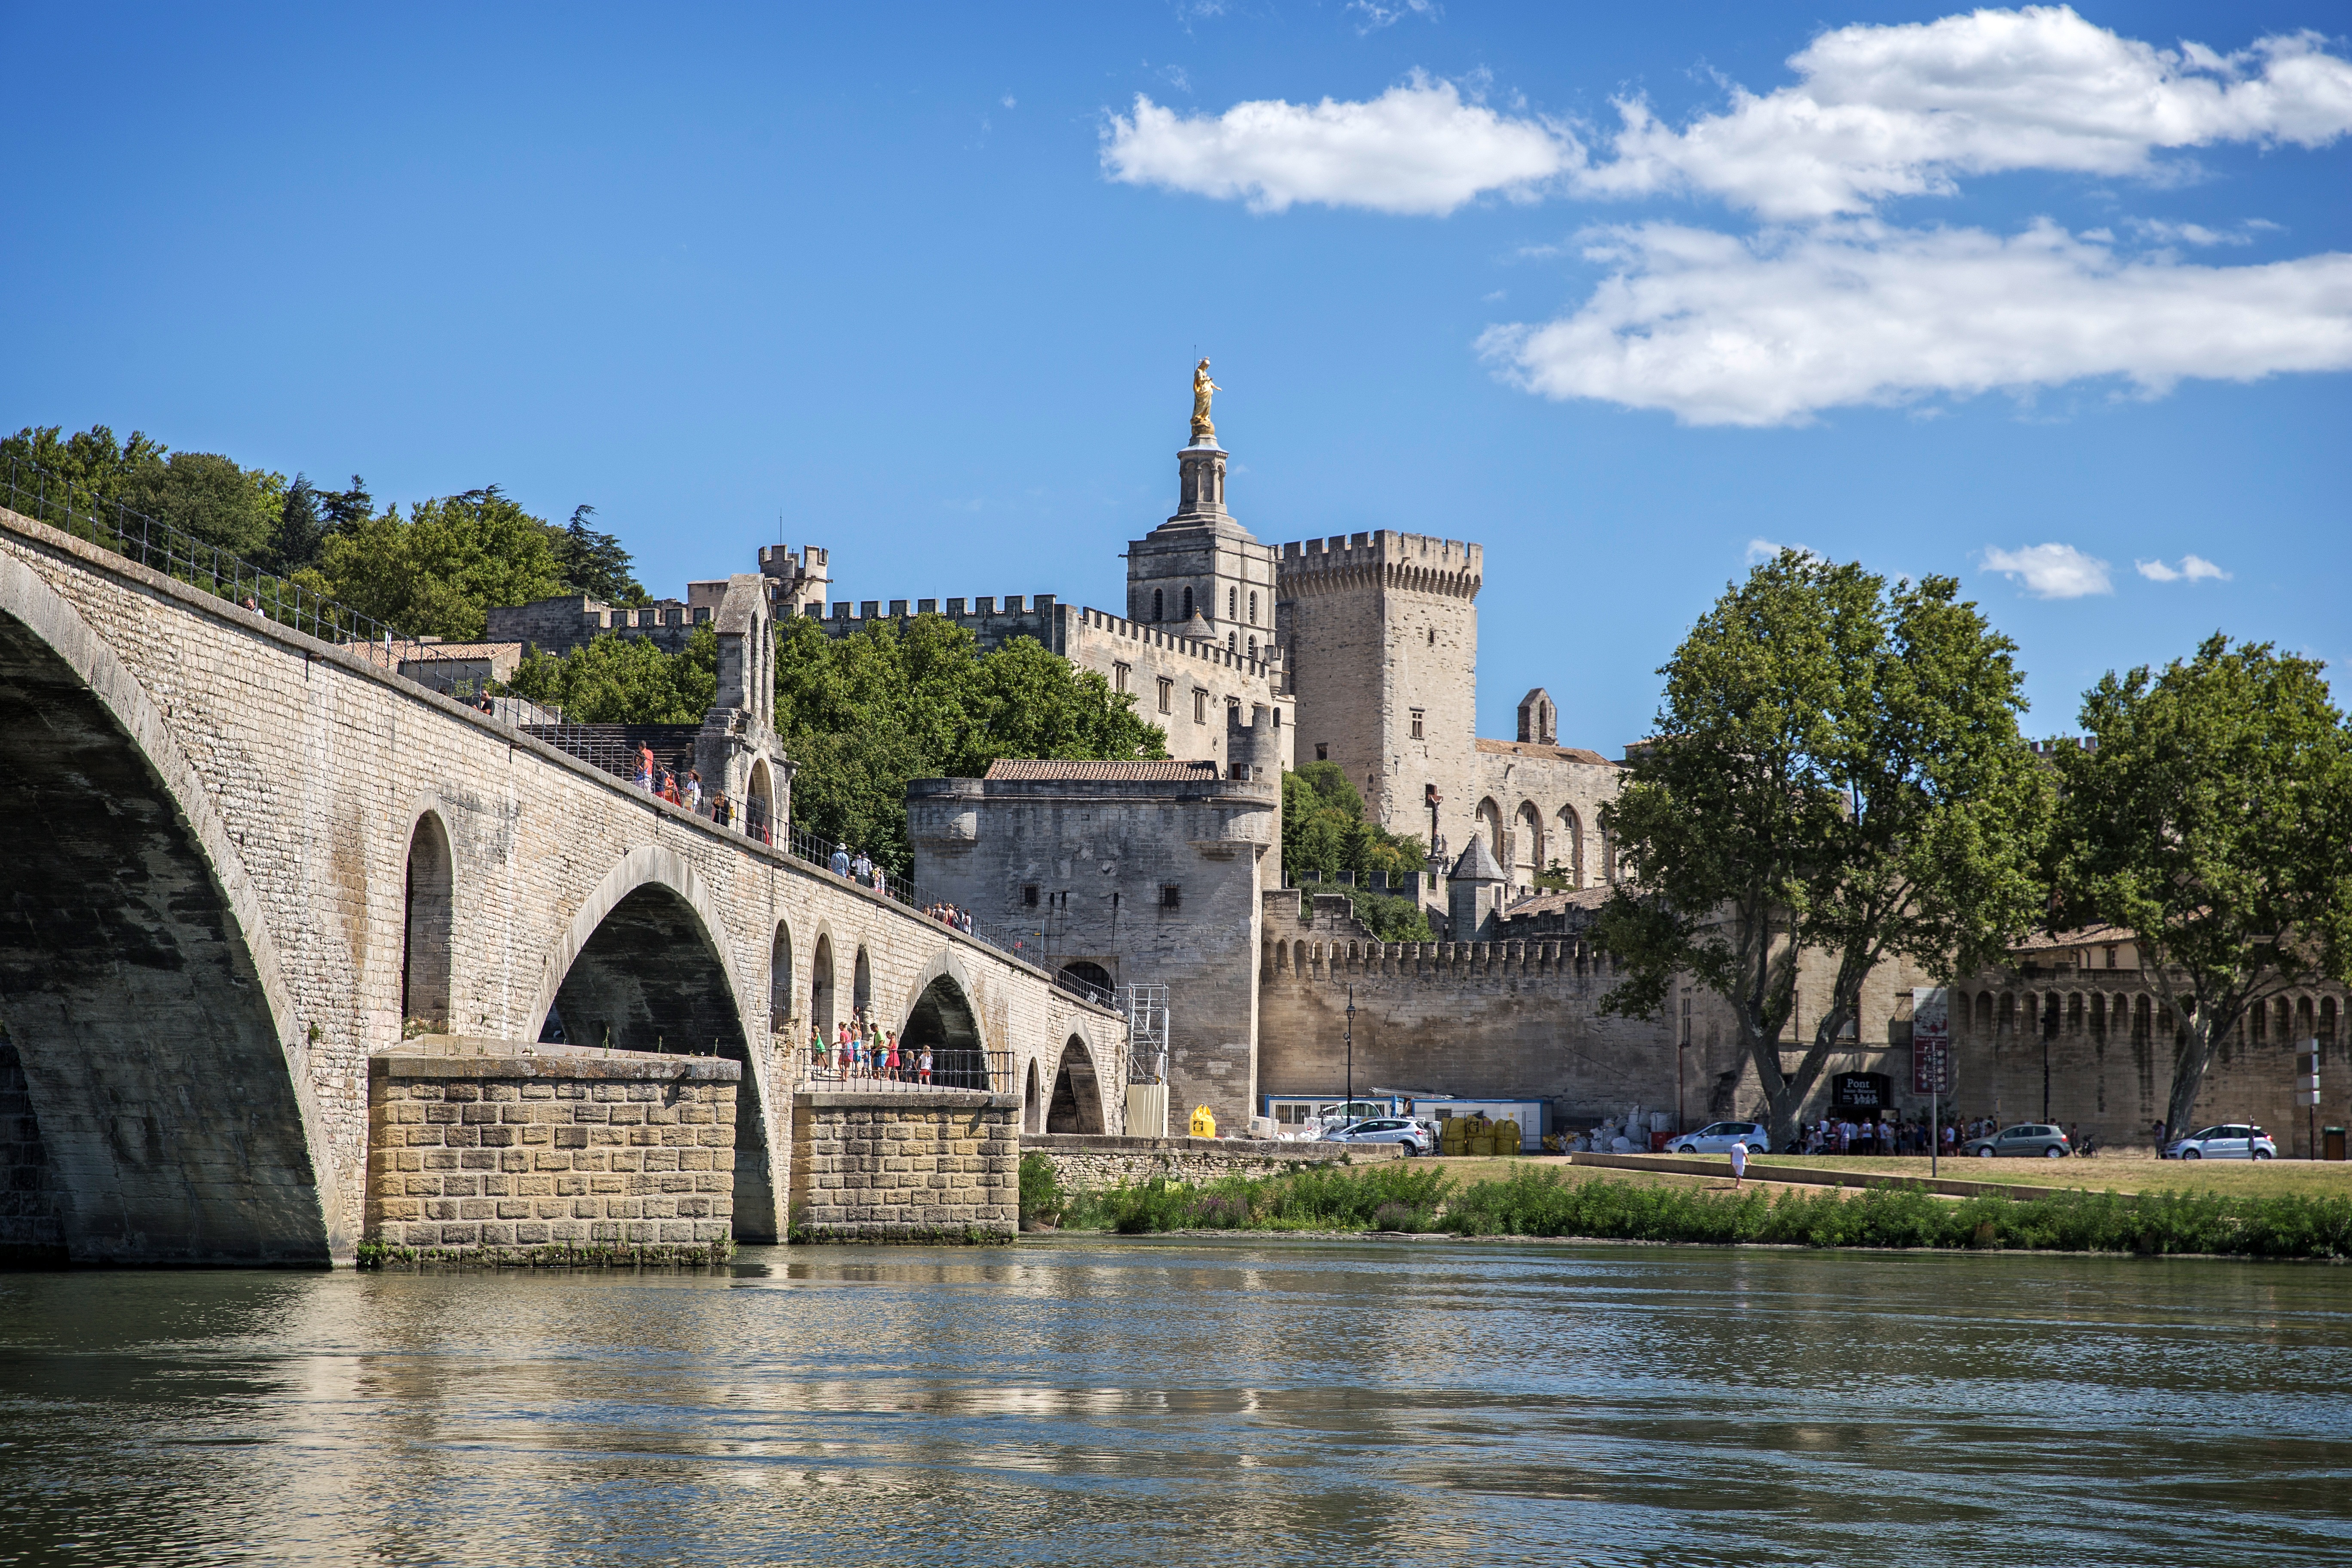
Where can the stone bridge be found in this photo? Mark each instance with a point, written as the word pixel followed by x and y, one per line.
pixel 238 859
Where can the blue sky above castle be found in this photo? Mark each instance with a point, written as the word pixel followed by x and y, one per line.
pixel 2054 301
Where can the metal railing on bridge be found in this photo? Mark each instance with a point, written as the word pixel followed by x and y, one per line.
pixel 834 1068
pixel 35 493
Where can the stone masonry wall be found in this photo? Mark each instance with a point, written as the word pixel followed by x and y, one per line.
pixel 304 770
pixel 922 1167
pixel 551 1156
pixel 29 1232
pixel 1088 1163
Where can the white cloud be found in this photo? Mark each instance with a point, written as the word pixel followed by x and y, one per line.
pixel 1377 16
pixel 1723 330
pixel 1417 148
pixel 2192 569
pixel 2050 571
pixel 1886 111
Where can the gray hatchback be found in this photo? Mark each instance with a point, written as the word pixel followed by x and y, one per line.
pixel 2032 1138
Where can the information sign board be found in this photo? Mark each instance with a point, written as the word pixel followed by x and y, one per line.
pixel 1931 1040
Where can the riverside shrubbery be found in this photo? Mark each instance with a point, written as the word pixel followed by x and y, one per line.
pixel 1536 1202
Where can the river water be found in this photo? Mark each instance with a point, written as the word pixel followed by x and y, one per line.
pixel 1174 1401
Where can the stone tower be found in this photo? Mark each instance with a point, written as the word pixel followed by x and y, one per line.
pixel 1538 718
pixel 1202 565
pixel 1381 633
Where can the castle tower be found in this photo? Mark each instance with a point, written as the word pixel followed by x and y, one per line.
pixel 1202 564
pixel 1538 718
pixel 797 585
pixel 1381 631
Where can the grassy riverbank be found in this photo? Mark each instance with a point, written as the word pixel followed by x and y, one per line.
pixel 1551 1201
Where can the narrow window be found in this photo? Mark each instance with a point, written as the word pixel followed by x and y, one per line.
pixel 1167 695
pixel 1157 606
pixel 1231 645
pixel 1171 896
pixel 1029 895
pixel 1322 751
pixel 1253 607
pixel 1277 718
pixel 1252 647
pixel 1233 709
pixel 1416 724
pixel 1188 604
pixel 1200 706
pixel 1432 637
pixel 1231 594
pixel 1119 676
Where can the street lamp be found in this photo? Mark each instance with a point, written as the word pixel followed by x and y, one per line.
pixel 1349 1111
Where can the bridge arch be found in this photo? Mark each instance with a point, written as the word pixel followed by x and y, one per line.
pixel 940 1014
pixel 644 967
pixel 1076 1104
pixel 821 1014
pixel 429 908
pixel 141 991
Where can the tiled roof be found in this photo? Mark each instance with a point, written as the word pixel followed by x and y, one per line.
pixel 1552 754
pixel 1052 768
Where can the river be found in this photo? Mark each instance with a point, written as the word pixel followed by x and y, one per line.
pixel 1163 1401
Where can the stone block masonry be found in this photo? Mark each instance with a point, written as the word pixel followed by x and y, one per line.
pixel 560 1156
pixel 938 1167
pixel 1085 1163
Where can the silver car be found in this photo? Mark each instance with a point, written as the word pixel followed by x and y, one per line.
pixel 2031 1138
pixel 1384 1130
pixel 1717 1137
pixel 2233 1142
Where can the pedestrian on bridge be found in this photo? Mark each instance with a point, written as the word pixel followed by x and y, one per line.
pixel 645 766
pixel 861 869
pixel 841 859
pixel 693 801
pixel 923 1067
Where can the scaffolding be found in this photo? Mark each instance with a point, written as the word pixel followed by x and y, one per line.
pixel 1147 1034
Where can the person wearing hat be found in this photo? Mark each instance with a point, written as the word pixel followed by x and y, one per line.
pixel 841 859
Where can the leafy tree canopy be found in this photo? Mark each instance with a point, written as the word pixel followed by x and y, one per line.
pixel 625 681
pixel 1324 829
pixel 437 571
pixel 594 564
pixel 1837 769
pixel 201 493
pixel 2212 818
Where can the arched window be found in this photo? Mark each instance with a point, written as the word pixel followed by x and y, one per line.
pixel 821 986
pixel 1253 607
pixel 1157 612
pixel 780 981
pixel 1231 608
pixel 861 987
pixel 1252 647
pixel 1188 604
pixel 1232 645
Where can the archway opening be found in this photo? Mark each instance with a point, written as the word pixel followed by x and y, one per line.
pixel 861 989
pixel 1077 1099
pixel 1530 857
pixel 1092 980
pixel 425 948
pixel 160 1120
pixel 780 983
pixel 1033 1104
pixel 1490 823
pixel 650 979
pixel 1571 840
pixel 760 803
pixel 821 1014
pixel 942 1021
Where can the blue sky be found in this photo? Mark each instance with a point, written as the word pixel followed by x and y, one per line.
pixel 1615 291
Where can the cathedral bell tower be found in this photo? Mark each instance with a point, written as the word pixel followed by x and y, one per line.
pixel 1201 574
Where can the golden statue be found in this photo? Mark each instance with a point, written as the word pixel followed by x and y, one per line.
pixel 1201 388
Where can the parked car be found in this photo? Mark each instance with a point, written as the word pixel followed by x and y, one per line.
pixel 2232 1143
pixel 2031 1138
pixel 1386 1130
pixel 1717 1137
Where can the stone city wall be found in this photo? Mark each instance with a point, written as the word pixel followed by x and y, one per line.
pixel 297 772
pixel 557 1157
pixel 943 1165
pixel 1087 1163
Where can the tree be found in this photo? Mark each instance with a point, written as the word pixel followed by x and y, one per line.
pixel 2210 816
pixel 302 529
pixel 200 494
pixel 625 681
pixel 1837 770
pixel 1325 830
pixel 594 564
pixel 439 570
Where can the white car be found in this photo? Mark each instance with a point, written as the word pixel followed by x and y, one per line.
pixel 2235 1142
pixel 1717 1137
pixel 1385 1129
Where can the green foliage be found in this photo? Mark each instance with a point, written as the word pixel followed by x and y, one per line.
pixel 1324 830
pixel 439 570
pixel 862 715
pixel 1388 919
pixel 1535 1201
pixel 1042 1198
pixel 2213 820
pixel 1837 767
pixel 625 681
pixel 594 564
pixel 204 494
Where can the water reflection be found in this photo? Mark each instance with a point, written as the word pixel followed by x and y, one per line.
pixel 1089 1402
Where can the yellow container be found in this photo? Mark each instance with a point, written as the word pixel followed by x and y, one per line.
pixel 1204 1125
pixel 1507 1137
pixel 1482 1145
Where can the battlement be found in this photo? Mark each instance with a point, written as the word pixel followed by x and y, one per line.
pixel 1261 667
pixel 1305 962
pixel 1384 557
pixel 991 621
pixel 560 624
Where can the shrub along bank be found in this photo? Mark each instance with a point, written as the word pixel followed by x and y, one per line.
pixel 1536 1203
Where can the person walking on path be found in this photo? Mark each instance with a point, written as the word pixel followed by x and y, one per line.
pixel 1740 1164
pixel 923 1067
pixel 693 792
pixel 645 766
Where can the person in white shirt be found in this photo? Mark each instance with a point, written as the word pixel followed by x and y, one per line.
pixel 1739 1163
